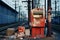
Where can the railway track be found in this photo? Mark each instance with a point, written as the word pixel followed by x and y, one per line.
pixel 3 29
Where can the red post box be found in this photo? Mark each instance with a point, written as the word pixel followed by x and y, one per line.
pixel 37 22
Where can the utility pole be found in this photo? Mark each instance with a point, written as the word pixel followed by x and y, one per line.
pixel 38 3
pixel 35 4
pixel 58 15
pixel 15 9
pixel 55 7
pixel 29 7
pixel 49 17
pixel 58 10
pixel 19 15
pixel 15 4
pixel 15 1
pixel 45 9
pixel 32 4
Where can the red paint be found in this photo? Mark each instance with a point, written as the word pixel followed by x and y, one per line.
pixel 37 32
pixel 42 22
pixel 34 20
pixel 21 29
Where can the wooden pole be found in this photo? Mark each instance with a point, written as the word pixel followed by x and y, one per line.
pixel 49 17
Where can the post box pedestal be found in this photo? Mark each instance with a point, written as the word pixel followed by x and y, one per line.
pixel 38 32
